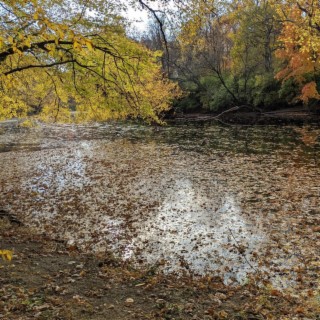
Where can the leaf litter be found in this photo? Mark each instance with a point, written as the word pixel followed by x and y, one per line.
pixel 244 201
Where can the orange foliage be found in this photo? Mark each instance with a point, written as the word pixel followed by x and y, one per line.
pixel 300 45
pixel 309 91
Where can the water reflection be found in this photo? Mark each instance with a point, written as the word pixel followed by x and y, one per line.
pixel 197 230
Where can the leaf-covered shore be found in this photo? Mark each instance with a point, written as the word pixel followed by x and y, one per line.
pixel 47 280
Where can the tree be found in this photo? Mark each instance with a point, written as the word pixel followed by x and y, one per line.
pixel 54 53
pixel 205 50
pixel 300 50
pixel 254 33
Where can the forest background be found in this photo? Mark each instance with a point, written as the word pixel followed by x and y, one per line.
pixel 80 60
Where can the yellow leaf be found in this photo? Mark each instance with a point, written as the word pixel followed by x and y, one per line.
pixel 27 42
pixel 6 254
pixel 89 45
pixel 60 33
pixel 77 45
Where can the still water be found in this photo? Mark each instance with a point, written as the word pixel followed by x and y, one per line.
pixel 210 199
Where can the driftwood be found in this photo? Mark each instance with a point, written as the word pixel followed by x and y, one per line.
pixel 217 117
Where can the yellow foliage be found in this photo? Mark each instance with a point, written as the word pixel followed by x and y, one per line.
pixel 6 255
pixel 198 17
pixel 51 65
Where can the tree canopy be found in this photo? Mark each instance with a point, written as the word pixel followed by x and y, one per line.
pixel 58 56
pixel 261 53
pixel 57 53
pixel 300 45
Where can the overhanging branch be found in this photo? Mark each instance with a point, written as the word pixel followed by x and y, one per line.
pixel 31 66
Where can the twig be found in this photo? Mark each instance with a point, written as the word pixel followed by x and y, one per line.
pixel 240 251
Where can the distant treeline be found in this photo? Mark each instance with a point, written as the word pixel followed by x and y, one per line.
pixel 260 53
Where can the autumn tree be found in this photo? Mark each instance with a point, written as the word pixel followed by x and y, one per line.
pixel 204 50
pixel 254 34
pixel 300 45
pixel 56 53
pixel 238 52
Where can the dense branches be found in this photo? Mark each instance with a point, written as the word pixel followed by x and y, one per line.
pixel 61 55
pixel 259 53
pixel 55 54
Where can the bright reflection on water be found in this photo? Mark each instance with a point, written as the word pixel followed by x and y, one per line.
pixel 210 200
pixel 194 232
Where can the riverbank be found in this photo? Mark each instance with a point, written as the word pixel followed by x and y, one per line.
pixel 289 116
pixel 47 279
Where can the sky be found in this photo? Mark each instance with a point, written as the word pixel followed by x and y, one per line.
pixel 139 19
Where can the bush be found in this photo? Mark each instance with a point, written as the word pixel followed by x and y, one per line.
pixel 266 92
pixel 214 95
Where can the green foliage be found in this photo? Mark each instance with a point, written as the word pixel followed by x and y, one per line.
pixel 289 90
pixel 260 91
pixel 187 103
pixel 245 52
pixel 214 95
pixel 265 92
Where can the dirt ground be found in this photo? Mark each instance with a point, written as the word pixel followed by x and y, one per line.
pixel 48 280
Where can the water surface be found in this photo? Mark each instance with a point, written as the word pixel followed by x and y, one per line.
pixel 227 201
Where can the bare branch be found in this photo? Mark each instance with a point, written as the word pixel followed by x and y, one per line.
pixel 161 26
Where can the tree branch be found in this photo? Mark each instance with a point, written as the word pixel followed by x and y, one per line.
pixel 161 26
pixel 40 45
pixel 30 66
